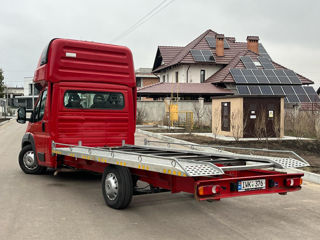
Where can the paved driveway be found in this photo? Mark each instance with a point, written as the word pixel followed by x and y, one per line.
pixel 70 206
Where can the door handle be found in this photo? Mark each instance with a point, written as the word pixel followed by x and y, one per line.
pixel 43 125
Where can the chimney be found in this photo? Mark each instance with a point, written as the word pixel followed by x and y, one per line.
pixel 220 45
pixel 253 44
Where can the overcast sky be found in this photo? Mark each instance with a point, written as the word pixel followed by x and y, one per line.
pixel 289 29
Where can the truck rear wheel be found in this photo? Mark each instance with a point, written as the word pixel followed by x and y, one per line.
pixel 117 186
pixel 28 162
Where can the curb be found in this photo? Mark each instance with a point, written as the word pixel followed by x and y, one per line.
pixel 308 176
pixel 4 122
pixel 163 137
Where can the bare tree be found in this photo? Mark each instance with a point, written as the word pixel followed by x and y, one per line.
pixel 276 125
pixel 141 115
pixel 215 128
pixel 199 113
pixel 260 125
pixel 236 125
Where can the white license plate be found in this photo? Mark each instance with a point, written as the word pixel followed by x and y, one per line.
pixel 250 185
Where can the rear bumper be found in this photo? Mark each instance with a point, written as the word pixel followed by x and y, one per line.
pixel 275 182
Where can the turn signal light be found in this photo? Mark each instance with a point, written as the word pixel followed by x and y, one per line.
pixel 293 182
pixel 209 190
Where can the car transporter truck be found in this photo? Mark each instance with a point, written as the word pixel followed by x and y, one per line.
pixel 85 118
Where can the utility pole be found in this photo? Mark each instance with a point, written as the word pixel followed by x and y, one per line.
pixel 6 104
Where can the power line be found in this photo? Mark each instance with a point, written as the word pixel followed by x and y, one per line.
pixel 144 19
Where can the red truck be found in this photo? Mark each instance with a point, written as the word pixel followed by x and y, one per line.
pixel 85 118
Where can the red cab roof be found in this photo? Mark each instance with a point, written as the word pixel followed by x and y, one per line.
pixel 82 61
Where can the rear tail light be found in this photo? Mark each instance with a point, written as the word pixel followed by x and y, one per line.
pixel 293 182
pixel 209 190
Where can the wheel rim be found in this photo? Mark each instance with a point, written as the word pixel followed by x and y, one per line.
pixel 111 186
pixel 29 160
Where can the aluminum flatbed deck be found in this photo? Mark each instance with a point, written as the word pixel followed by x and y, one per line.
pixel 179 162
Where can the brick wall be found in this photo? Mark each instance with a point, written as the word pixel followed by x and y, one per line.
pixel 149 81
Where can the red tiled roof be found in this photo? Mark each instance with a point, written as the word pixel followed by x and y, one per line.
pixel 181 55
pixel 168 53
pixel 184 88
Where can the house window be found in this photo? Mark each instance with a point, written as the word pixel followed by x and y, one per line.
pixel 139 82
pixel 177 77
pixel 225 116
pixel 168 77
pixel 202 75
pixel 30 89
pixel 164 78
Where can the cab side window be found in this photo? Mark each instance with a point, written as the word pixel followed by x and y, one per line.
pixel 78 99
pixel 40 107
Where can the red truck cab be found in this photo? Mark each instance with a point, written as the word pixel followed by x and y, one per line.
pixel 88 94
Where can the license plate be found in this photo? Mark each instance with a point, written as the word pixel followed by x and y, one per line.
pixel 250 185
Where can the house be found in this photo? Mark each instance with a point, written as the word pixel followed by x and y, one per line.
pixel 30 94
pixel 241 68
pixel 145 77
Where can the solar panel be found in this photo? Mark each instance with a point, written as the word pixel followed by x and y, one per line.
pixel 266 90
pixel 288 90
pixel 243 90
pixel 266 63
pixel 292 76
pixel 292 94
pixel 277 90
pixel 263 52
pixel 303 98
pixel 249 76
pixel 254 90
pixel 248 63
pixel 226 44
pixel 314 98
pixel 282 76
pixel 272 78
pixel 261 78
pixel 208 56
pixel 202 55
pixel 309 90
pixel 311 94
pixel 299 90
pixel 212 42
pixel 238 76
pixel 293 98
pixel 197 55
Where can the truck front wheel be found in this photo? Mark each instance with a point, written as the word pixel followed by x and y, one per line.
pixel 28 162
pixel 117 186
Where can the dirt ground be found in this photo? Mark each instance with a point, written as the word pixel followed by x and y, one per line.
pixel 309 150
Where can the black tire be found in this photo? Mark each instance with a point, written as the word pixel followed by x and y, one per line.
pixel 29 166
pixel 117 186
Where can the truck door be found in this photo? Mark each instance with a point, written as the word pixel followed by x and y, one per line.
pixel 39 128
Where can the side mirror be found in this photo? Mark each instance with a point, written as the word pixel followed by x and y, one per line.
pixel 22 115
